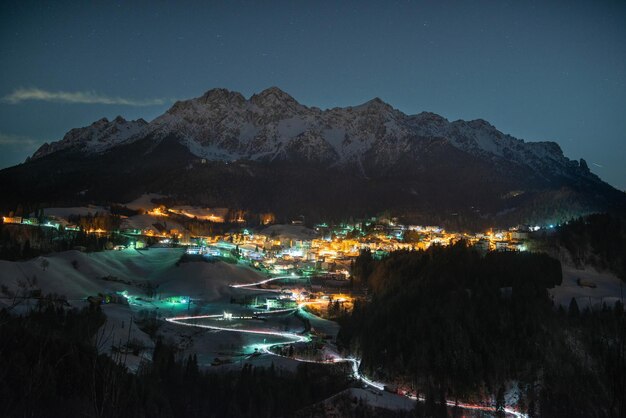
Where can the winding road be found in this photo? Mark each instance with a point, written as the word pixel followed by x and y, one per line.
pixel 291 338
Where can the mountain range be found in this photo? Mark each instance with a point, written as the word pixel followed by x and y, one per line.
pixel 270 153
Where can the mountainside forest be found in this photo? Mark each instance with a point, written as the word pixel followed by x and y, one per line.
pixel 454 324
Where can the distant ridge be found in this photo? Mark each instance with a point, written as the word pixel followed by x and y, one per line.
pixel 270 152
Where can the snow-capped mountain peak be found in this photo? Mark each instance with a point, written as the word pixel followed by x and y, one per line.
pixel 97 137
pixel 221 96
pixel 270 153
pixel 272 97
pixel 272 125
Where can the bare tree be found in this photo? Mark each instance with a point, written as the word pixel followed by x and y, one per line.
pixel 25 290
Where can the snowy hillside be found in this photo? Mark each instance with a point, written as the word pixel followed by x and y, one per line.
pixel 97 137
pixel 77 275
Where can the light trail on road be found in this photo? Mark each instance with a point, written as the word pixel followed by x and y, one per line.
pixel 271 279
pixel 355 363
pixel 274 311
pixel 295 338
pixel 355 371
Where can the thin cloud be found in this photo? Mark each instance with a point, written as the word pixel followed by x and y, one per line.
pixel 82 97
pixel 10 139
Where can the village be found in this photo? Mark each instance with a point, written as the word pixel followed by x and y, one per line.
pixel 273 248
pixel 304 264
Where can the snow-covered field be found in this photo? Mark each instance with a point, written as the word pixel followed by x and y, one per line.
pixel 322 325
pixel 609 288
pixel 372 397
pixel 131 269
pixel 207 214
pixel 144 201
pixel 64 213
pixel 77 275
pixel 146 222
pixel 116 332
pixel 297 232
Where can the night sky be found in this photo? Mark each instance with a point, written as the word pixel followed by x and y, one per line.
pixel 538 70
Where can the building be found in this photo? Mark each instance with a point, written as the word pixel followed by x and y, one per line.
pixel 12 219
pixel 482 245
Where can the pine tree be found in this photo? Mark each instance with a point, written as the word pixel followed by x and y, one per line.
pixel 573 310
pixel 500 403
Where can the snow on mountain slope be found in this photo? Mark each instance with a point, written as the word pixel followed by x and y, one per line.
pixel 272 125
pixel 97 137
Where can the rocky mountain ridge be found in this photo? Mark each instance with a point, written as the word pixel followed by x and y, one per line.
pixel 272 125
pixel 269 153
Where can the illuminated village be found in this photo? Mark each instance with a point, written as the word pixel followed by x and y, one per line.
pixel 310 265
pixel 288 248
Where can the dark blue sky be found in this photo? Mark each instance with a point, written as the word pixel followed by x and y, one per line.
pixel 538 70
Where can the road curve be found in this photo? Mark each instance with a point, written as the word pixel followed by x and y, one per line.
pixel 295 338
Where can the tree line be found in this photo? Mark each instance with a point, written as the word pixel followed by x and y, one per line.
pixel 49 366
pixel 598 240
pixel 453 324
